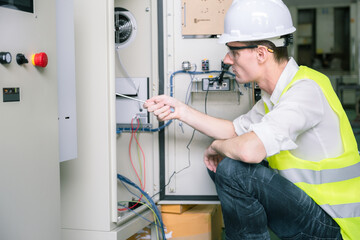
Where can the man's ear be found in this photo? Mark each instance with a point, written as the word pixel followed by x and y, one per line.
pixel 262 53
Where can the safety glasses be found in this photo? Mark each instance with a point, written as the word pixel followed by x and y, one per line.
pixel 233 49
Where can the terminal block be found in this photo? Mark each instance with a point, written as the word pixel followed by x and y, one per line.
pixel 213 84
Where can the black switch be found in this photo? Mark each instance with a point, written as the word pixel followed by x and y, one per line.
pixel 21 59
pixel 5 57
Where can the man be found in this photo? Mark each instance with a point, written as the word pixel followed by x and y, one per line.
pixel 311 189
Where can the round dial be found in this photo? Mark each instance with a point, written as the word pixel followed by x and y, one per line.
pixel 5 58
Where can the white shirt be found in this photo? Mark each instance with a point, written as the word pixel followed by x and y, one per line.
pixel 301 121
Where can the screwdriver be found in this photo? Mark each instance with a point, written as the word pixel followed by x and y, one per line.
pixel 131 98
pixel 136 99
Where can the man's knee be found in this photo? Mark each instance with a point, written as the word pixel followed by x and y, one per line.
pixel 229 167
pixel 238 171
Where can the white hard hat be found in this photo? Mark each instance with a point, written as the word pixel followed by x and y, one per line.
pixel 252 20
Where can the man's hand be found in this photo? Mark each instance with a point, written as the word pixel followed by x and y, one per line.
pixel 163 107
pixel 212 158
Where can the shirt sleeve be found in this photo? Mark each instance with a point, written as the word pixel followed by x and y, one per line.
pixel 243 123
pixel 298 110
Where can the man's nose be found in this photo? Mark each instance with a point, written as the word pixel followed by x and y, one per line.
pixel 228 59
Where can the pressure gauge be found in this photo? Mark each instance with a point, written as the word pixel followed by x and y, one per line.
pixel 5 57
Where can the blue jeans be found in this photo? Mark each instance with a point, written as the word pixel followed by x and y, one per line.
pixel 254 198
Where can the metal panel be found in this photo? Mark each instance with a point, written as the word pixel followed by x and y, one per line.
pixel 66 79
pixel 88 184
pixel 29 165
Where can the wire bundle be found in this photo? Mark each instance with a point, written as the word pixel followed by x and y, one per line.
pixel 152 205
pixel 142 176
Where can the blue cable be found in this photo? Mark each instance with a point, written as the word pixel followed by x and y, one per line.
pixel 120 130
pixel 129 190
pixel 156 210
pixel 138 214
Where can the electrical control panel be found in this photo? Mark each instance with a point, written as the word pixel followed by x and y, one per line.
pixel 29 139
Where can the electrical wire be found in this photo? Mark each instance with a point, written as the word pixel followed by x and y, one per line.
pixel 143 155
pixel 188 95
pixel 156 210
pixel 133 135
pixel 120 130
pixel 139 151
pixel 141 179
pixel 132 210
pixel 177 172
pixel 187 98
pixel 142 183
pixel 132 164
pixel 137 202
pixel 156 220
pixel 206 96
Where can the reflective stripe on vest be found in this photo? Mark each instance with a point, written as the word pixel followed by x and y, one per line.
pixel 322 176
pixel 343 210
pixel 333 183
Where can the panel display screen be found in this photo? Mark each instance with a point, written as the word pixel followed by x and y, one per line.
pixel 22 5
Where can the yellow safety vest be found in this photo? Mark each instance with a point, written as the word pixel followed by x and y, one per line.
pixel 333 183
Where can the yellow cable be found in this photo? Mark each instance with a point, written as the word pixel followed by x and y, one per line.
pixel 156 219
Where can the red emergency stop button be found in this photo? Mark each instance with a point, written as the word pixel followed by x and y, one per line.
pixel 39 59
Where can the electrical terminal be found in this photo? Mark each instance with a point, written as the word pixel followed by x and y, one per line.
pixel 213 84
pixel 205 65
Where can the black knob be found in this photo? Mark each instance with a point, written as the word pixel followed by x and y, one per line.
pixel 21 59
pixel 5 57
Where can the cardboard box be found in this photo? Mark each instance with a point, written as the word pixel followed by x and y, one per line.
pixel 142 234
pixel 175 208
pixel 202 222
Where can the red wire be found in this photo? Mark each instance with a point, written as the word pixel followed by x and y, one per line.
pixel 124 209
pixel 142 152
pixel 133 135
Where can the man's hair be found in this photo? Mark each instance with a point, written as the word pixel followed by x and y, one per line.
pixel 280 53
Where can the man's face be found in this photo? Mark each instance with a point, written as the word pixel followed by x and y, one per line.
pixel 242 58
